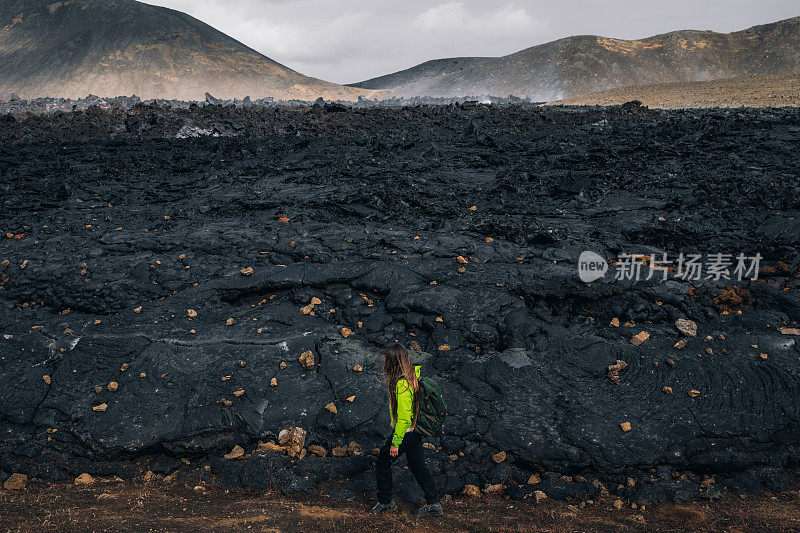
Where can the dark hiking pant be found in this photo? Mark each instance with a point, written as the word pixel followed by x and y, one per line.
pixel 412 447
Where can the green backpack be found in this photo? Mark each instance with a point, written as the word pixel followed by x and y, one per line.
pixel 432 408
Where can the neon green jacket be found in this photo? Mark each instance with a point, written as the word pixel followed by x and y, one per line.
pixel 405 409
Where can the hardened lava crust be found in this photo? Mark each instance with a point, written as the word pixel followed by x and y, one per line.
pixel 164 271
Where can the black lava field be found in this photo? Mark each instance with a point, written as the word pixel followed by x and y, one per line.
pixel 187 270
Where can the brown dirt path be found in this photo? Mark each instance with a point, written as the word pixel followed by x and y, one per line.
pixel 136 506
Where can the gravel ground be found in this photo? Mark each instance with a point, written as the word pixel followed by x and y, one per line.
pixel 752 91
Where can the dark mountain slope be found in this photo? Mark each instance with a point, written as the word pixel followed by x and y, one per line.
pixel 587 63
pixel 121 47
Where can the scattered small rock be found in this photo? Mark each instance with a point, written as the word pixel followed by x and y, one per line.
pixel 534 479
pixel 640 338
pixel 236 453
pixel 615 369
pixel 16 481
pixel 246 271
pixel 100 408
pixel 499 457
pixel 626 426
pixel 293 439
pixel 332 408
pixel 471 491
pixel 687 327
pixel 270 447
pixel 113 386
pixel 346 332
pixel 539 495
pixel 84 479
pixel 319 451
pixel 307 360
pixel 354 448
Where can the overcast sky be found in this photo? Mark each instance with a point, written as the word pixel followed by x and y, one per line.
pixel 346 41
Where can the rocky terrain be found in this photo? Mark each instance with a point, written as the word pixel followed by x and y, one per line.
pixel 752 91
pixel 586 64
pixel 71 48
pixel 49 105
pixel 213 285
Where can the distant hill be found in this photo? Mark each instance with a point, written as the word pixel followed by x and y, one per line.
pixel 586 64
pixel 72 48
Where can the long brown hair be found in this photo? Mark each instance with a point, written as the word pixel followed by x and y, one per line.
pixel 397 365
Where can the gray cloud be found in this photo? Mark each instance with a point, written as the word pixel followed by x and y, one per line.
pixel 347 40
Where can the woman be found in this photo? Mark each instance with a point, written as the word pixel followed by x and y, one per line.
pixel 402 381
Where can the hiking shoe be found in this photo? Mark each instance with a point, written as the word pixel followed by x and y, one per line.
pixel 380 508
pixel 432 509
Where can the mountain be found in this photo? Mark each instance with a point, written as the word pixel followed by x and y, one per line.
pixel 587 63
pixel 72 48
